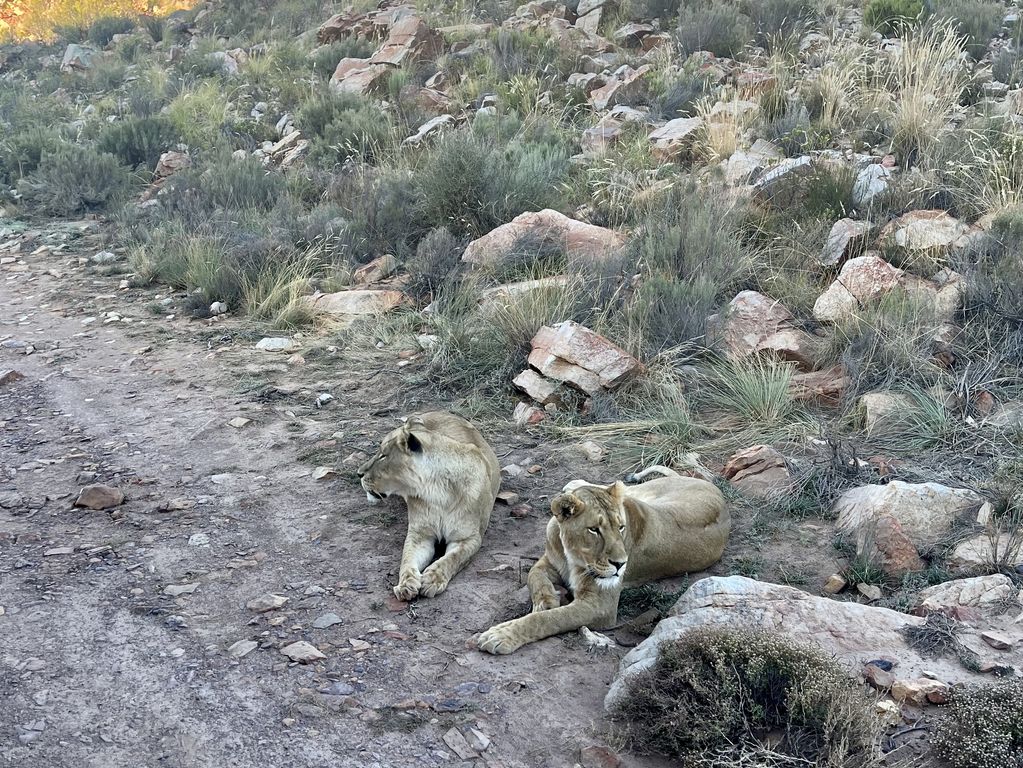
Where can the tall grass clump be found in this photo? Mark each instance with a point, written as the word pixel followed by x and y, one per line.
pixel 75 179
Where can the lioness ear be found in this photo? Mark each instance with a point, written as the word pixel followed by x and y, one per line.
pixel 413 444
pixel 617 490
pixel 565 505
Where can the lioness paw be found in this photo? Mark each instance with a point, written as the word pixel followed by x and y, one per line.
pixel 545 603
pixel 433 584
pixel 408 588
pixel 499 640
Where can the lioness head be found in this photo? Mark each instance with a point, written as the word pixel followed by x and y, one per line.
pixel 593 530
pixel 396 468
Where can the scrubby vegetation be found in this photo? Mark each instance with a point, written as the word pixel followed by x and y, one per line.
pixel 715 697
pixel 982 727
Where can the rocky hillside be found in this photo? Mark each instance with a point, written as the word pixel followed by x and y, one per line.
pixel 774 243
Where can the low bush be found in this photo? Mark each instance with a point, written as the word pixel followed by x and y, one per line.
pixel 978 20
pixel 138 141
pixel 343 128
pixel 720 28
pixel 889 17
pixel 103 30
pixel 713 695
pixel 75 179
pixel 21 152
pixel 774 21
pixel 982 727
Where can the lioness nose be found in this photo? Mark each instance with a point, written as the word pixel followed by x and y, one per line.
pixel 617 564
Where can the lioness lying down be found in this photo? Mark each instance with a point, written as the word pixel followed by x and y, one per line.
pixel 602 538
pixel 448 476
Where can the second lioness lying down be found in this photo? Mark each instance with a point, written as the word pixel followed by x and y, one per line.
pixel 603 538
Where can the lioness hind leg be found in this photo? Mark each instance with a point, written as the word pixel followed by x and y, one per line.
pixel 416 553
pixel 440 573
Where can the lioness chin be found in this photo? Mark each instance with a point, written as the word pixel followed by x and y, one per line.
pixel 603 538
pixel 449 477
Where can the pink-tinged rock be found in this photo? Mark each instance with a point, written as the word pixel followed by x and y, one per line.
pixel 587 82
pixel 826 387
pixel 526 414
pixel 624 86
pixel 502 294
pixel 542 390
pixel 753 324
pixel 596 140
pixel 862 280
pixel 170 163
pixel 578 345
pixel 895 554
pixel 632 34
pixel 357 302
pixel 758 471
pixel 409 40
pixel 847 238
pixel 337 27
pixel 99 497
pixel 376 270
pixel 362 80
pixel 583 244
pixel 675 137
pixel 567 373
pixel 923 231
pixel 753 82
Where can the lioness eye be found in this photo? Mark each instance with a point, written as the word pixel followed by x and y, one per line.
pixel 621 529
pixel 594 531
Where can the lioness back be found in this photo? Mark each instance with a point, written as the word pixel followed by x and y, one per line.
pixel 677 525
pixel 461 431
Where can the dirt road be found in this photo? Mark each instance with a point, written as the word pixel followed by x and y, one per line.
pixel 101 667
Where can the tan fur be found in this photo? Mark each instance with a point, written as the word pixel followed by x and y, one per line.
pixel 603 538
pixel 449 477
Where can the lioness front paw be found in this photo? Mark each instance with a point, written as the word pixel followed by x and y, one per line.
pixel 433 583
pixel 499 639
pixel 545 603
pixel 408 587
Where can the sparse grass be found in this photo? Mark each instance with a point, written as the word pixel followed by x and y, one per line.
pixel 981 727
pixel 755 390
pixel 277 292
pixel 201 114
pixel 739 685
pixel 938 637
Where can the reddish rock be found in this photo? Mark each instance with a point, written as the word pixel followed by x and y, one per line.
pixel 578 345
pixel 99 497
pixel 754 324
pixel 583 244
pixel 675 137
pixel 862 280
pixel 624 86
pixel 923 231
pixel 754 82
pixel 565 372
pixel 758 471
pixel 360 77
pixel 526 414
pixel 337 27
pixel 409 40
pixel 896 554
pixel 536 386
pixel 847 238
pixel 170 163
pixel 376 270
pixel 877 677
pixel 822 387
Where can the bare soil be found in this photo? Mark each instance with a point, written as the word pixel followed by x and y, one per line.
pixel 100 668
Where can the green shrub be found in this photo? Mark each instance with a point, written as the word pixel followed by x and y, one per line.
pixel 889 16
pixel 229 184
pixel 343 128
pixel 154 25
pixel 774 21
pixel 712 696
pixel 705 25
pixel 21 152
pixel 138 141
pixel 982 727
pixel 75 179
pixel 323 60
pixel 978 20
pixel 103 30
pixel 675 93
pixel 437 257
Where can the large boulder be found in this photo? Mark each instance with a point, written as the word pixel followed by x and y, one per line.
pixel 78 58
pixel 583 244
pixel 759 471
pixel 357 302
pixel 925 511
pixel 625 85
pixel 853 632
pixel 675 137
pixel 410 40
pixel 981 592
pixel 754 324
pixel 360 76
pixel 847 238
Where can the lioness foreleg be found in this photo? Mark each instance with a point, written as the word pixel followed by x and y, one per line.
pixel 440 573
pixel 418 549
pixel 542 591
pixel 509 636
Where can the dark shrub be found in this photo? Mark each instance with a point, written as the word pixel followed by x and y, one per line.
pixel 75 179
pixel 138 141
